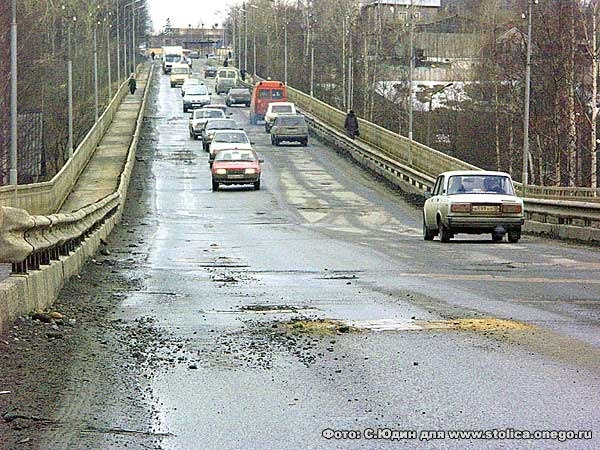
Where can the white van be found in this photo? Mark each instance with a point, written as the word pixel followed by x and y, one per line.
pixel 227 78
pixel 276 109
pixel 179 73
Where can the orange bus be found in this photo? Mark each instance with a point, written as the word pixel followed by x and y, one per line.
pixel 265 92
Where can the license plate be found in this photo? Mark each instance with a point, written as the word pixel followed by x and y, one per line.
pixel 485 208
pixel 235 177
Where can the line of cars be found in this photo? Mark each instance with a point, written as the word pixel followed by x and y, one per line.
pixel 231 157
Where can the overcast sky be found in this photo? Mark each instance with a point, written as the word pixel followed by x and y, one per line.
pixel 185 12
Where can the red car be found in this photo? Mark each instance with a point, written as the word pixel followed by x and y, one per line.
pixel 236 167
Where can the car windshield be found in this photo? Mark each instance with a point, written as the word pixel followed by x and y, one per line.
pixel 239 92
pixel 204 113
pixel 196 90
pixel 231 138
pixel 290 121
pixel 281 109
pixel 234 155
pixel 221 125
pixel 191 81
pixel 480 184
pixel 180 70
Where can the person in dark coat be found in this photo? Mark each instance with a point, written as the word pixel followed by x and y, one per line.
pixel 153 55
pixel 132 84
pixel 351 125
pixel 225 63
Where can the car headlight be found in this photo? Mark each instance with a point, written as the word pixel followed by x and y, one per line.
pixel 221 172
pixel 210 136
pixel 250 171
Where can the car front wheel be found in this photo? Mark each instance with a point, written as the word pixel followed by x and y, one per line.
pixel 215 186
pixel 257 185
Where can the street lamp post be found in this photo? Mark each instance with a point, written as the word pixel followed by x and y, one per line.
pixel 69 86
pixel 96 70
pixel 525 175
pixel 410 73
pixel 13 97
pixel 108 68
pixel 245 36
pixel 118 46
pixel 285 56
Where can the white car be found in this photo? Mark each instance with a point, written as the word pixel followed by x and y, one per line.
pixel 190 82
pixel 473 202
pixel 275 109
pixel 228 140
pixel 200 116
pixel 195 97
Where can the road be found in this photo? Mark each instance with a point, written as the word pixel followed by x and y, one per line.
pixel 314 304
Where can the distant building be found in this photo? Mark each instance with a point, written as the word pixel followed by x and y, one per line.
pixel 203 40
pixel 423 9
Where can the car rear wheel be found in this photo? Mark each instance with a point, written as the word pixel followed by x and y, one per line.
pixel 514 236
pixel 304 142
pixel 497 237
pixel 428 235
pixel 215 186
pixel 443 232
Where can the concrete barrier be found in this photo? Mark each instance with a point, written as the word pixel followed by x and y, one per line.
pixel 38 289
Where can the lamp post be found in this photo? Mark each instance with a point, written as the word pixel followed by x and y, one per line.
pixel 437 91
pixel 410 73
pixel 96 115
pixel 118 45
pixel 13 97
pixel 285 55
pixel 525 175
pixel 108 68
pixel 69 85
pixel 245 36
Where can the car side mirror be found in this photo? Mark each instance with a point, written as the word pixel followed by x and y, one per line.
pixel 427 194
pixel 261 160
pixel 252 143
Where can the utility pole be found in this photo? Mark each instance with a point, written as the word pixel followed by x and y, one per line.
pixel 525 174
pixel 118 46
pixel 13 97
pixel 410 73
pixel 96 70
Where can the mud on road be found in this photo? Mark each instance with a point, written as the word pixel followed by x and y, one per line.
pixel 63 375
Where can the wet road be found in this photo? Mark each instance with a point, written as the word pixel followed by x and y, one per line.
pixel 476 336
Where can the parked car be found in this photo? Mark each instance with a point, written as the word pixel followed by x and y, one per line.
pixel 236 96
pixel 290 128
pixel 275 109
pixel 228 140
pixel 199 116
pixel 236 167
pixel 213 125
pixel 195 97
pixel 189 82
pixel 210 72
pixel 473 202
pixel 194 54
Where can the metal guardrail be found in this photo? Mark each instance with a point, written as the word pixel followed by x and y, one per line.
pixel 29 241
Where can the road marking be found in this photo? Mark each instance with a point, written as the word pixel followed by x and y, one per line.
pixel 500 278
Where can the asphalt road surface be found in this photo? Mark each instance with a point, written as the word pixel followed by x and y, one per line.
pixel 310 312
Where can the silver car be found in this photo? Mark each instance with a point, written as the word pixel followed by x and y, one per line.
pixel 473 202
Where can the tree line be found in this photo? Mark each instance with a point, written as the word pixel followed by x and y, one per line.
pixel 51 33
pixel 355 49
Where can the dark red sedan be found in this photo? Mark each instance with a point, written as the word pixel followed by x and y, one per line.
pixel 236 167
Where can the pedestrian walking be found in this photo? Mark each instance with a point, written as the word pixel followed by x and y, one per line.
pixel 226 62
pixel 132 84
pixel 153 55
pixel 351 125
